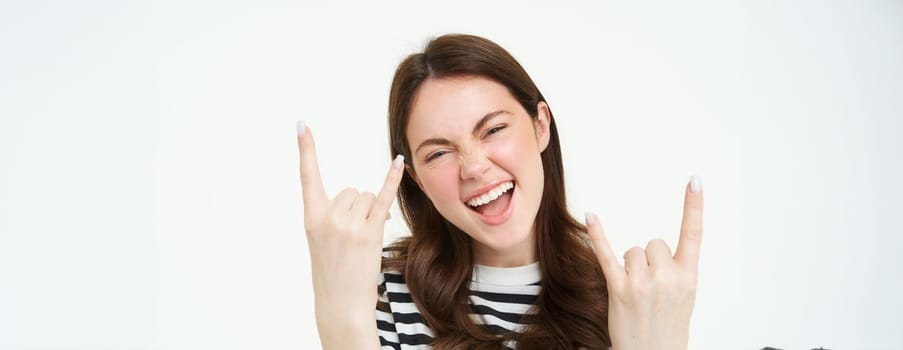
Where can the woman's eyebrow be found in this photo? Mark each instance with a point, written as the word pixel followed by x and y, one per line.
pixel 476 129
pixel 486 118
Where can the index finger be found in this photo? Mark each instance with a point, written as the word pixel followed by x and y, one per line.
pixel 607 260
pixel 390 188
pixel 311 184
pixel 691 228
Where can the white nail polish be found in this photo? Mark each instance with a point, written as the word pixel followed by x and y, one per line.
pixel 695 183
pixel 301 128
pixel 590 219
pixel 398 162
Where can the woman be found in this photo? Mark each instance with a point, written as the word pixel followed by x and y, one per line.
pixel 495 260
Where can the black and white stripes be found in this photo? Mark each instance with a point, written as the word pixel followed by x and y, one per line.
pixel 499 298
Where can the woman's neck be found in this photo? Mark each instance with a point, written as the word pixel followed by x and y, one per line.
pixel 523 253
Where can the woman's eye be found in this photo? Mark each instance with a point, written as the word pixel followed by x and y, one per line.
pixel 434 155
pixel 494 130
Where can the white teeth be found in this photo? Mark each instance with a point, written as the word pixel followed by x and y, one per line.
pixel 491 195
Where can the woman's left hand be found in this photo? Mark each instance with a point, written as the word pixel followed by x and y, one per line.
pixel 651 298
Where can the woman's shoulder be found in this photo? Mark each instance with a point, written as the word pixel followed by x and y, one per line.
pixel 391 251
pixel 391 270
pixel 394 295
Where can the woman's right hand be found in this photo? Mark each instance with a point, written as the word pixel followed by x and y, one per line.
pixel 345 238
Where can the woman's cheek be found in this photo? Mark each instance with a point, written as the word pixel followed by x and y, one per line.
pixel 442 183
pixel 510 154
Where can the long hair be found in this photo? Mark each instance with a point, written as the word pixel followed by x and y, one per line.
pixel 571 309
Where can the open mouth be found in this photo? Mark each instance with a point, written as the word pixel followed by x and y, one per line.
pixel 494 202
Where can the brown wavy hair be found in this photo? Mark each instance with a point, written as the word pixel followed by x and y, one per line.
pixel 571 309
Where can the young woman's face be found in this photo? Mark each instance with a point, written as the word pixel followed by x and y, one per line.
pixel 476 155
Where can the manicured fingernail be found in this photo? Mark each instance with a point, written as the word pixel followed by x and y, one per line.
pixel 695 183
pixel 301 128
pixel 590 219
pixel 398 162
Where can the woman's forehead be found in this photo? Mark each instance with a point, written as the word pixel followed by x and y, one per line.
pixel 456 104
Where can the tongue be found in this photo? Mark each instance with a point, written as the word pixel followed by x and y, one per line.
pixel 495 207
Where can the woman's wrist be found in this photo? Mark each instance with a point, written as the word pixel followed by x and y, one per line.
pixel 352 330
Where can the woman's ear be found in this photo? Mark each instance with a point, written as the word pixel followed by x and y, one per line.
pixel 541 125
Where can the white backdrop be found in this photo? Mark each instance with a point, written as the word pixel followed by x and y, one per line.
pixel 148 170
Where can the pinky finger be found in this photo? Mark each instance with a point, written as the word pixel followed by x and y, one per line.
pixel 608 261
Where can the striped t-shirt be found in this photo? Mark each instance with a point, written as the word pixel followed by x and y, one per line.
pixel 499 297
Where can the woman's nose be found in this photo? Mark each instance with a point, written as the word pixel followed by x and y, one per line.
pixel 474 165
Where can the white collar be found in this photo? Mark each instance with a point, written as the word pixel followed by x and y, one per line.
pixel 507 276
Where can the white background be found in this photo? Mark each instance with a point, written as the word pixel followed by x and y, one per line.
pixel 148 166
